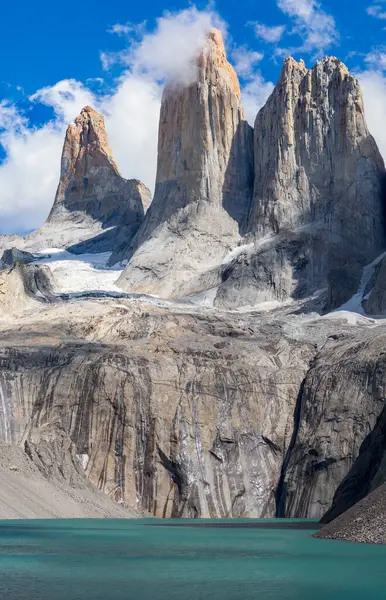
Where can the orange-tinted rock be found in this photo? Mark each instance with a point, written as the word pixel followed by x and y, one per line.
pixel 90 184
pixel 204 179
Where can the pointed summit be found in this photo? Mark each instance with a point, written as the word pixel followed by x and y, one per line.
pixel 90 183
pixel 204 179
pixel 213 61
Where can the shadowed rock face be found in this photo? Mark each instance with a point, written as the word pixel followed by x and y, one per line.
pixel 358 511
pixel 363 523
pixel 375 293
pixel 367 473
pixel 342 396
pixel 318 191
pixel 204 180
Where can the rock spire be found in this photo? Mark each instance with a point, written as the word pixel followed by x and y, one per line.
pixel 90 182
pixel 317 191
pixel 91 192
pixel 315 160
pixel 204 179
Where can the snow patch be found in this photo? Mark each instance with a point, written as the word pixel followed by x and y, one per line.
pixel 355 304
pixel 80 273
pixel 84 460
pixel 351 318
pixel 352 311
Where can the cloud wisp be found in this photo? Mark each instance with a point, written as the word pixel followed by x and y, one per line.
pixel 270 34
pixel 377 10
pixel 30 172
pixel 312 24
pixel 169 52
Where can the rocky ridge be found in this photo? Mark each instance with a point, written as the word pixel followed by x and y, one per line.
pixel 183 407
pixel 318 189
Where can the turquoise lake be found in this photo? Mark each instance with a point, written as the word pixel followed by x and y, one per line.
pixel 133 559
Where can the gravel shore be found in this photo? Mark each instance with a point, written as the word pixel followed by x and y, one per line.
pixel 363 523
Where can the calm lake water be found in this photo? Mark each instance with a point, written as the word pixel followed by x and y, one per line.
pixel 135 560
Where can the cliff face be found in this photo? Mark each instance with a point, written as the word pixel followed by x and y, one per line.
pixel 187 412
pixel 204 180
pixel 315 160
pixel 90 184
pixel 367 473
pixel 179 413
pixel 343 394
pixel 318 190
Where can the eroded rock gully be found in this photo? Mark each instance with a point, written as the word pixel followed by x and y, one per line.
pixel 182 407
pixel 182 415
pixel 192 415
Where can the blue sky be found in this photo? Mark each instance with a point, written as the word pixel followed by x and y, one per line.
pixel 115 55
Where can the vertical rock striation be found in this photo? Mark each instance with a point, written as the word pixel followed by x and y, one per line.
pixel 342 397
pixel 315 160
pixel 317 192
pixel 204 179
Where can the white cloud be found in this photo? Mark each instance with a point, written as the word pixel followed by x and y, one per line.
pixel 373 83
pixel 254 89
pixel 66 97
pixel 121 28
pixel 171 50
pixel 132 117
pixel 11 121
pixel 316 28
pixel 29 175
pixel 267 33
pixel 254 96
pixel 30 172
pixel 377 10
pixel 377 59
pixel 374 91
pixel 245 60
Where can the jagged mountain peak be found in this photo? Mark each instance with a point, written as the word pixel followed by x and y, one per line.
pixel 291 64
pixel 89 110
pixel 334 62
pixel 329 64
pixel 95 208
pixel 85 135
pixel 90 182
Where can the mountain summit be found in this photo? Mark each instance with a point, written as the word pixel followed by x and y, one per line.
pixel 91 191
pixel 204 180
